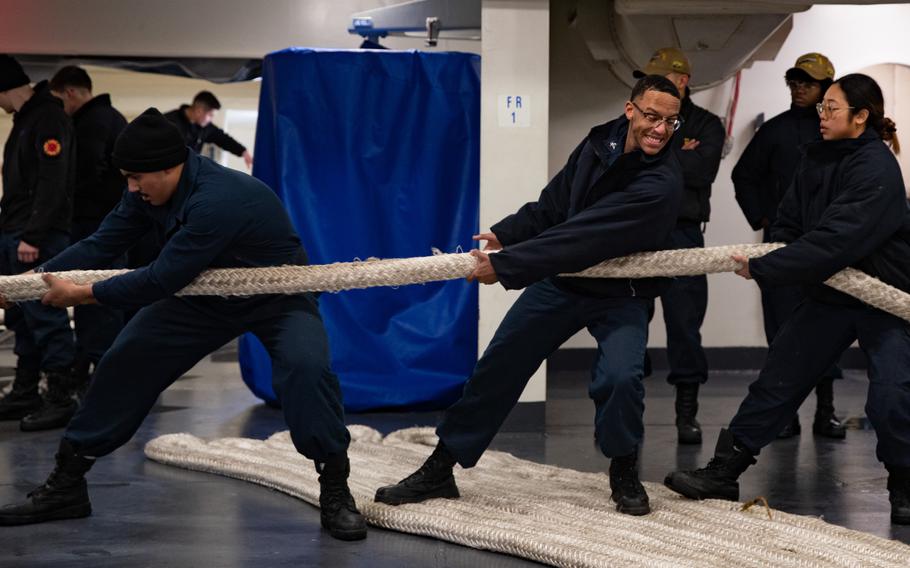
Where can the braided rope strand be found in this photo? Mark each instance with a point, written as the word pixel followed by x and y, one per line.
pixel 403 271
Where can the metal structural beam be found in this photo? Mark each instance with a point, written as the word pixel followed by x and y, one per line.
pixel 434 18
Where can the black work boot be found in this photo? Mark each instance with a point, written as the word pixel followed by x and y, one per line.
pixel 899 494
pixel 790 430
pixel 717 480
pixel 24 398
pixel 687 427
pixel 59 404
pixel 628 492
pixel 338 512
pixel 826 423
pixel 81 377
pixel 435 479
pixel 63 496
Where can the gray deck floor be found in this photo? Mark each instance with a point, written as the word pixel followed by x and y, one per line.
pixel 147 514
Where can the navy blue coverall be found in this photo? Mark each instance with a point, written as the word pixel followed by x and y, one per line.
pixel 685 300
pixel 217 218
pixel 602 204
pixel 37 207
pixel 99 187
pixel 846 207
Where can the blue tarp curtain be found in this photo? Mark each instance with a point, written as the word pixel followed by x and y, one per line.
pixel 376 154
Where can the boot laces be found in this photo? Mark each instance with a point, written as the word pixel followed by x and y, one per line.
pixel 57 478
pixel 39 491
pixel 716 465
pixel 629 484
pixel 728 465
pixel 336 495
pixel 432 469
pixel 624 474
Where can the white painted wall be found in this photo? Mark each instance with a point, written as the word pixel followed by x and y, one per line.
pixel 241 124
pixel 584 93
pixel 513 160
pixel 894 79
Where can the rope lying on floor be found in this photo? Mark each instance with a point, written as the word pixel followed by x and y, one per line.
pixel 403 271
pixel 544 513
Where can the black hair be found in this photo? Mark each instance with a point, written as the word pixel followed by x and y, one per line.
pixel 70 76
pixel 657 83
pixel 797 74
pixel 863 93
pixel 207 99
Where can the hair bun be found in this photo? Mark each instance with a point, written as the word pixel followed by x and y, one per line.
pixel 889 134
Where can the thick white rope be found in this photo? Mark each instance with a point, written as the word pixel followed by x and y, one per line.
pixel 544 513
pixel 402 271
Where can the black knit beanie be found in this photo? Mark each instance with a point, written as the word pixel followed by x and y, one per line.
pixel 11 74
pixel 150 143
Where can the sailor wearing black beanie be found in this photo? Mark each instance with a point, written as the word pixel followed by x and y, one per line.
pixel 208 216
pixel 150 143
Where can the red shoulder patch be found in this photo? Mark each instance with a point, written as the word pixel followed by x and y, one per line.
pixel 52 147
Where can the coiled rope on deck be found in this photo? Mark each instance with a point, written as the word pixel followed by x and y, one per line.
pixel 544 513
pixel 403 271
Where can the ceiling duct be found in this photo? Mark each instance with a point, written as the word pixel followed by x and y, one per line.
pixel 432 19
pixel 719 37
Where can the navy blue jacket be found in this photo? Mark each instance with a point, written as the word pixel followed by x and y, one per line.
pixel 217 218
pixel 603 204
pixel 39 171
pixel 846 207
pixel 766 168
pixel 99 185
pixel 699 166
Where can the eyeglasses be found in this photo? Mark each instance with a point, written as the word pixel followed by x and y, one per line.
pixel 801 85
pixel 827 110
pixel 673 122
